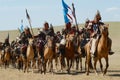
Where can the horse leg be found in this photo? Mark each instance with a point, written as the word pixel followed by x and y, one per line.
pixel 87 66
pixel 71 60
pixel 27 65
pixel 56 63
pixel 77 62
pixel 107 65
pixel 62 61
pixel 44 65
pixel 68 70
pixel 81 63
pixel 101 66
pixel 72 64
pixel 95 62
pixel 5 63
pixel 33 65
pixel 51 65
pixel 90 64
pixel 38 63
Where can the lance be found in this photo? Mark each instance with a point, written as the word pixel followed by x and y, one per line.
pixel 29 20
pixel 75 16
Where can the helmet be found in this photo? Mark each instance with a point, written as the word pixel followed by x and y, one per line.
pixel 68 25
pixel 26 28
pixel 46 25
pixel 87 20
pixel 98 16
pixel 58 32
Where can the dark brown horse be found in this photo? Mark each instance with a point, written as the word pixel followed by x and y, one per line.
pixel 69 51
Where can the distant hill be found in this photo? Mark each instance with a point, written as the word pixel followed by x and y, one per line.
pixel 114 31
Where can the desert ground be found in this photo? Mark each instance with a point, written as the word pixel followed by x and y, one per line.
pixel 112 74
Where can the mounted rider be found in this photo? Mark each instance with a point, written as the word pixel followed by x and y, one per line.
pixel 46 29
pixel 58 36
pixel 6 42
pixel 25 35
pixel 23 40
pixel 95 33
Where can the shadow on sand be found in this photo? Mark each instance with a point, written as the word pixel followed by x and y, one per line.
pixel 71 73
pixel 114 73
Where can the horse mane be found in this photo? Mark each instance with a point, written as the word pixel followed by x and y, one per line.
pixel 104 37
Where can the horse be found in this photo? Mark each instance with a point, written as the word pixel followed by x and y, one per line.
pixel 40 52
pixel 49 53
pixel 29 55
pixel 7 56
pixel 17 58
pixel 69 51
pixel 60 51
pixel 102 50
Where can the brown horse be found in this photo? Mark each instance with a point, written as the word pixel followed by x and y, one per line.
pixel 49 53
pixel 7 55
pixel 102 50
pixel 69 51
pixel 29 55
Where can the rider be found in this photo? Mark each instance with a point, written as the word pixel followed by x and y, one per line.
pixel 46 29
pixel 67 29
pixel 6 43
pixel 59 36
pixel 25 35
pixel 95 32
pixel 51 33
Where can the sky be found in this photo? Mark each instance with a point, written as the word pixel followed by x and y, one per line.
pixel 12 11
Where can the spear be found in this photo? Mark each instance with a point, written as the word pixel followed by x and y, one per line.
pixel 75 16
pixel 29 20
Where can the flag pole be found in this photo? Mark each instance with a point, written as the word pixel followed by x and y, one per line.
pixel 28 17
pixel 75 16
pixel 19 30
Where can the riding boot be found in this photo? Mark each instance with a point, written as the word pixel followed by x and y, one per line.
pixel 110 45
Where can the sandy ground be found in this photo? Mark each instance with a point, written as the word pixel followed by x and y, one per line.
pixel 112 74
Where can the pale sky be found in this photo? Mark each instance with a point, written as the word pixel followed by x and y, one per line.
pixel 12 11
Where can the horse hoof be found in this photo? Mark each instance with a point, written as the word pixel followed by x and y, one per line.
pixel 96 73
pixel 68 71
pixel 87 73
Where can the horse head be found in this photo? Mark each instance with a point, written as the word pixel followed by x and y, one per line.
pixel 104 30
pixel 50 41
pixel 31 41
pixel 8 49
pixel 69 40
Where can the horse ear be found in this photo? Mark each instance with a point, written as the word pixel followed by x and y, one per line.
pixel 107 25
